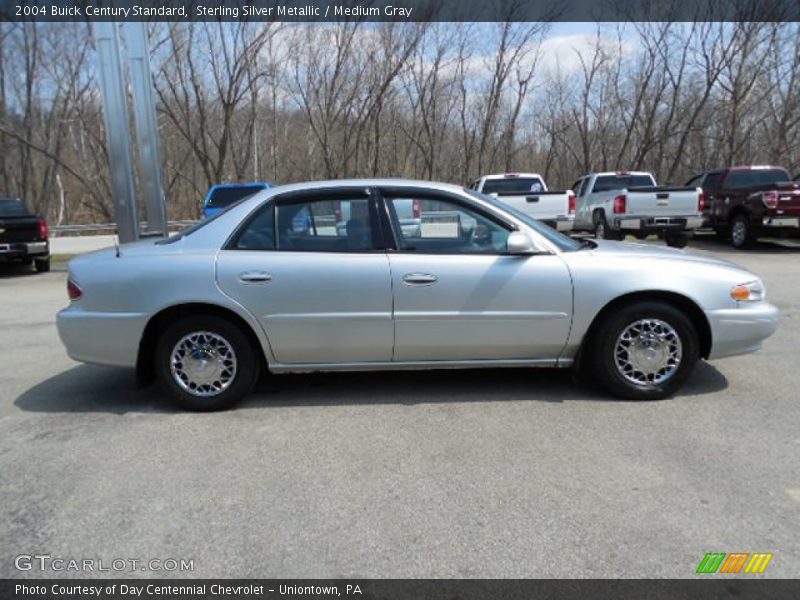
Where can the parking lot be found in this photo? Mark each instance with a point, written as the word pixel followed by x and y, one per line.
pixel 488 473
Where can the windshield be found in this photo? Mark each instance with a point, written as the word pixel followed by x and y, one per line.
pixel 564 243
pixel 513 185
pixel 605 183
pixel 225 196
pixel 11 207
pixel 756 177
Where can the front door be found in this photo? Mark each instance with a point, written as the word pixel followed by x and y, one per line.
pixel 459 296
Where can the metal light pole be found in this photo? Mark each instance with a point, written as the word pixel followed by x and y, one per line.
pixel 144 110
pixel 118 137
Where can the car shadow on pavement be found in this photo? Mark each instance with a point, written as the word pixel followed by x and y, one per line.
pixel 8 270
pixel 104 389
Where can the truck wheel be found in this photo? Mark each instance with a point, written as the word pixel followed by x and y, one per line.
pixel 742 234
pixel 42 265
pixel 206 363
pixel 602 230
pixel 676 240
pixel 645 351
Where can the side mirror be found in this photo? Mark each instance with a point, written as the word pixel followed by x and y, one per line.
pixel 520 244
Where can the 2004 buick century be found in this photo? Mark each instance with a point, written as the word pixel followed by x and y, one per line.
pixel 322 276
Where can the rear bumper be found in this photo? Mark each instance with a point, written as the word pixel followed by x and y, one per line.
pixel 102 338
pixel 17 250
pixel 658 224
pixel 741 330
pixel 780 222
pixel 561 223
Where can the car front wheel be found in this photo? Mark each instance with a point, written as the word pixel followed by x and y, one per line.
pixel 645 351
pixel 206 363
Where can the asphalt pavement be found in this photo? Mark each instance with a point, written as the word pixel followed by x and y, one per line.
pixel 485 473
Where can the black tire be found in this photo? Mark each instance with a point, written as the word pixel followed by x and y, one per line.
pixel 27 262
pixel 742 234
pixel 601 229
pixel 604 351
pixel 246 359
pixel 676 240
pixel 42 265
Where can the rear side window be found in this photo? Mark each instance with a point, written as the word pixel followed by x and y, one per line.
pixel 11 207
pixel 259 233
pixel 225 196
pixel 711 182
pixel 325 225
pixel 755 177
pixel 605 183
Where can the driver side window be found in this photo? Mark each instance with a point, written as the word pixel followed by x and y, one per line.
pixel 439 226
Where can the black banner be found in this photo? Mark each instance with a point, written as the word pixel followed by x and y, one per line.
pixel 400 10
pixel 739 588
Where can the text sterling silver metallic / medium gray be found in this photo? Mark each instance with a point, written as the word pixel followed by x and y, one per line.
pixel 397 274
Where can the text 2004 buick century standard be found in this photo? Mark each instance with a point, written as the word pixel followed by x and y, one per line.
pixel 395 274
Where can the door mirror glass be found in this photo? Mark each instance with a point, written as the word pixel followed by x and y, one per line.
pixel 519 243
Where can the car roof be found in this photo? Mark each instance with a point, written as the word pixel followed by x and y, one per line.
pixel 376 182
pixel 265 184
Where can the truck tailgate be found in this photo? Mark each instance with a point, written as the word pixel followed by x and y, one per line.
pixel 18 229
pixel 540 205
pixel 662 201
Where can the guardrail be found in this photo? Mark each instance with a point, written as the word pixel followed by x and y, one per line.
pixel 112 227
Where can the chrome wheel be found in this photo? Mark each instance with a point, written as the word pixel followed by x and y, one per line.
pixel 739 233
pixel 203 363
pixel 648 351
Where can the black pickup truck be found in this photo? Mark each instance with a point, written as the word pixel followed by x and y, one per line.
pixel 745 203
pixel 23 235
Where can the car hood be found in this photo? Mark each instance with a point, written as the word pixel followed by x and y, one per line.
pixel 640 250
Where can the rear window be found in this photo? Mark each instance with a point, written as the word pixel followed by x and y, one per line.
pixel 11 207
pixel 605 183
pixel 755 177
pixel 513 185
pixel 225 196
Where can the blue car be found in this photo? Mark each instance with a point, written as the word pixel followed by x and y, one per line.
pixel 222 195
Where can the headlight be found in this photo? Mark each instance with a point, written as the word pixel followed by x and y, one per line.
pixel 752 291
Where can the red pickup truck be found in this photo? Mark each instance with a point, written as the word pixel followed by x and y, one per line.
pixel 745 203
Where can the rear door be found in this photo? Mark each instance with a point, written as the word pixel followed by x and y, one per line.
pixel 458 296
pixel 320 287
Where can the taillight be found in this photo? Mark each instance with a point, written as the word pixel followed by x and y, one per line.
pixel 571 200
pixel 770 199
pixel 702 204
pixel 415 208
pixel 619 204
pixel 73 291
pixel 43 231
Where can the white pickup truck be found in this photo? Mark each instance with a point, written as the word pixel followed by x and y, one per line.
pixel 614 204
pixel 528 192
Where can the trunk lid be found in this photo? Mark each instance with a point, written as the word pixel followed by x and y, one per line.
pixel 661 201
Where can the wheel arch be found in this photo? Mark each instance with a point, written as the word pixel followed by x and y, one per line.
pixel 145 368
pixel 683 303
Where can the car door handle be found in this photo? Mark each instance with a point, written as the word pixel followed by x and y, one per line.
pixel 419 279
pixel 255 277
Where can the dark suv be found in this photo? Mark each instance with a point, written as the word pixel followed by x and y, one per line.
pixel 745 203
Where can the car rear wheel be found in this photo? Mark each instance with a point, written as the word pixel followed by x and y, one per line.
pixel 742 234
pixel 206 363
pixel 645 351
pixel 42 265
pixel 601 229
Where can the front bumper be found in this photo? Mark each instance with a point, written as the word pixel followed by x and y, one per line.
pixel 741 330
pixel 657 224
pixel 24 250
pixel 102 338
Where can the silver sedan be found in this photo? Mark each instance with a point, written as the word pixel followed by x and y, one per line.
pixel 323 276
